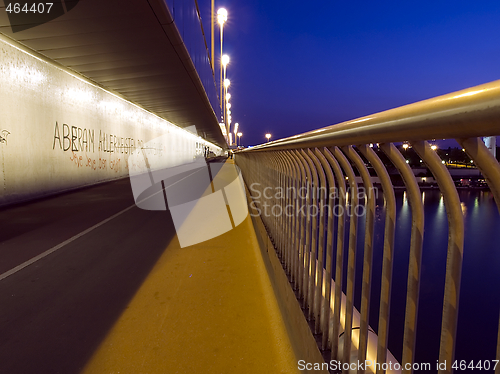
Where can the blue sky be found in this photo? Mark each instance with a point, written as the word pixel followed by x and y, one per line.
pixel 297 66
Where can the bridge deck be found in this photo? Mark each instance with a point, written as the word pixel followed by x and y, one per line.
pixel 205 308
pixel 125 297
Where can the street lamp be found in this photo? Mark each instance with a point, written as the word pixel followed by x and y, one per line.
pixel 434 147
pixel 225 61
pixel 236 125
pixel 239 137
pixel 227 82
pixel 221 18
pixel 268 136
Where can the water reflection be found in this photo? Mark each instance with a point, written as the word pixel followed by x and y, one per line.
pixel 479 296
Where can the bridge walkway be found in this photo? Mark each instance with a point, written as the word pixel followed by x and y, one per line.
pixel 208 308
pixel 125 297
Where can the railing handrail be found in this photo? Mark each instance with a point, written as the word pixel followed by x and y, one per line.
pixel 295 162
pixel 468 113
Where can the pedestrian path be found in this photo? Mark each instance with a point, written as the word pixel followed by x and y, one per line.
pixel 206 308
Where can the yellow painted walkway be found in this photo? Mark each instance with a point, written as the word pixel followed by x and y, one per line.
pixel 207 308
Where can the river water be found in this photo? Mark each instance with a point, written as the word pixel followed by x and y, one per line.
pixel 480 285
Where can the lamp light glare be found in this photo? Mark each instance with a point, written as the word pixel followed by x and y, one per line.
pixel 221 16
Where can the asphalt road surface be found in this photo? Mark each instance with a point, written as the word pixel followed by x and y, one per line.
pixel 94 248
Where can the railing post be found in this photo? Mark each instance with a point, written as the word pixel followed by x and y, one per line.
pixel 314 235
pixel 325 314
pixel 321 241
pixel 351 258
pixel 302 281
pixel 455 251
pixel 388 253
pixel 416 241
pixel 337 306
pixel 367 253
pixel 295 256
pixel 490 169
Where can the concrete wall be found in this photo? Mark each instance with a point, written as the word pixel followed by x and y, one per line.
pixel 59 131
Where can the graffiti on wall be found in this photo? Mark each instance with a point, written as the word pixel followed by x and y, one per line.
pixel 80 142
pixel 3 136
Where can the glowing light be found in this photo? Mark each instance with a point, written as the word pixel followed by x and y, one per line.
pixel 434 147
pixel 228 96
pixel 225 60
pixel 268 136
pixel 405 145
pixel 227 82
pixel 221 16
pixel 464 208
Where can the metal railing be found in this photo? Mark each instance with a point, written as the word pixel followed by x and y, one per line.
pixel 319 161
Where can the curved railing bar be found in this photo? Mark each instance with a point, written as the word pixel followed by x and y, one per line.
pixel 388 252
pixel 295 222
pixel 321 241
pixel 325 313
pixel 416 241
pixel 351 258
pixel 282 232
pixel 287 222
pixel 455 251
pixel 337 306
pixel 490 169
pixel 303 260
pixel 367 253
pixel 312 230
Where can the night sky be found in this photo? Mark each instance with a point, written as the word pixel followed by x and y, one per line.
pixel 297 66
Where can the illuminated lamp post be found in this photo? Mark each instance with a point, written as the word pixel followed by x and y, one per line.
pixel 227 82
pixel 221 18
pixel 236 132
pixel 268 136
pixel 225 61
